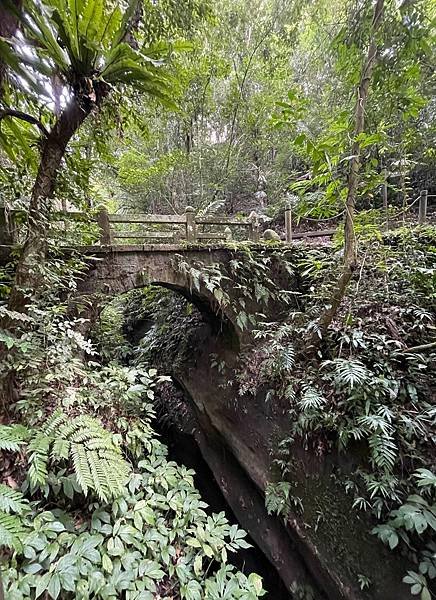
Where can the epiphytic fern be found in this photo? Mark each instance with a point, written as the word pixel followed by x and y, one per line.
pixel 12 529
pixel 98 463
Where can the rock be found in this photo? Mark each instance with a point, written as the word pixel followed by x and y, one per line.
pixel 270 234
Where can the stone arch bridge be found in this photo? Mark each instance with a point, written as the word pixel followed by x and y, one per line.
pixel 118 263
pixel 117 270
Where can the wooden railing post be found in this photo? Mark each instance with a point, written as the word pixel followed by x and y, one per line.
pixel 288 223
pixel 5 232
pixel 105 227
pixel 422 218
pixel 191 232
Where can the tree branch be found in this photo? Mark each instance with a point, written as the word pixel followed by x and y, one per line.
pixel 419 348
pixel 18 114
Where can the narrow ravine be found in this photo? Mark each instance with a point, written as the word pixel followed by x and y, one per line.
pixel 183 449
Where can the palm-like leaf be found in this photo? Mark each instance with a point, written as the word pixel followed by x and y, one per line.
pixel 82 42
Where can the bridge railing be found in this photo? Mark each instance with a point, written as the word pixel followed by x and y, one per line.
pixel 110 229
pixel 155 228
pixel 187 226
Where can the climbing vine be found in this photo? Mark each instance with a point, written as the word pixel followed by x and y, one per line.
pixel 251 280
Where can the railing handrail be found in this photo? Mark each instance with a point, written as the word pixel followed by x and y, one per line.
pixel 189 220
pixel 143 218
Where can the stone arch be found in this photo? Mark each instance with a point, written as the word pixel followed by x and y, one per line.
pixel 132 267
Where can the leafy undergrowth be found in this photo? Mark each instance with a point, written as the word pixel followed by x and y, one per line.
pixel 369 390
pixel 90 506
pixel 370 386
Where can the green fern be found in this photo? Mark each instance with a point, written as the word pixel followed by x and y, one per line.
pixel 311 399
pixel 98 463
pixel 38 458
pixel 383 450
pixel 12 437
pixel 349 372
pixel 11 501
pixel 12 529
pixel 286 358
pixel 381 442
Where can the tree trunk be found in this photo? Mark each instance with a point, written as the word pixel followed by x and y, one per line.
pixel 350 247
pixel 53 151
pixel 27 275
pixel 385 198
pixel 8 27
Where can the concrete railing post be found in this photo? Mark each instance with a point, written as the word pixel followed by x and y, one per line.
pixel 288 224
pixel 228 234
pixel 105 227
pixel 254 227
pixel 5 232
pixel 422 217
pixel 255 232
pixel 191 232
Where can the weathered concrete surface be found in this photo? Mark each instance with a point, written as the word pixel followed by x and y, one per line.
pixel 115 271
pixel 248 505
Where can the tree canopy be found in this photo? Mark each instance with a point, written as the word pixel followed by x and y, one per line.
pixel 275 114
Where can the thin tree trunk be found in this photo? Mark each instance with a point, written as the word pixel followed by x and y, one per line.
pixel 350 246
pixel 240 98
pixel 385 198
pixel 28 275
pixel 53 151
pixel 8 27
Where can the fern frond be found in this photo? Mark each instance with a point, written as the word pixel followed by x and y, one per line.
pixel 12 531
pixel 12 437
pixel 98 473
pixel 38 459
pixel 287 358
pixel 54 421
pixel 97 461
pixel 11 500
pixel 311 399
pixel 349 372
pixel 81 467
pixel 383 451
pixel 61 449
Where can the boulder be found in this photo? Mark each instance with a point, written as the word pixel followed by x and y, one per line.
pixel 270 234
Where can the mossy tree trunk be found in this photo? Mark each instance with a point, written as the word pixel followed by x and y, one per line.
pixel 53 150
pixel 28 276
